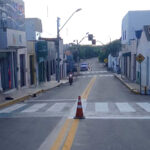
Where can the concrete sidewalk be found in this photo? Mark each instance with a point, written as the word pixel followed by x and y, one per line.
pixel 133 87
pixel 22 94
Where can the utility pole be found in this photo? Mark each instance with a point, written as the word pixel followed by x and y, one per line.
pixel 58 53
pixel 58 40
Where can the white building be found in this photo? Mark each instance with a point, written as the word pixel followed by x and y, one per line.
pixel 13 51
pixel 133 21
pixel 132 25
pixel 113 63
pixel 33 28
pixel 144 49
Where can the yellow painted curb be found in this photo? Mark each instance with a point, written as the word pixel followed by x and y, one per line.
pixel 14 101
pixel 21 99
pixel 17 100
pixel 131 89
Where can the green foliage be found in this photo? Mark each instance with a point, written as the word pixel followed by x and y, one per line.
pixel 102 52
pixel 112 48
pixel 87 51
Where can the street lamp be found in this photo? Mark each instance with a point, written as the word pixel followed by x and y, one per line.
pixel 58 38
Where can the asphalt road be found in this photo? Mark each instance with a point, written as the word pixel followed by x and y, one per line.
pixel 116 119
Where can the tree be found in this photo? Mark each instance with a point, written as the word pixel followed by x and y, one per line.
pixel 112 48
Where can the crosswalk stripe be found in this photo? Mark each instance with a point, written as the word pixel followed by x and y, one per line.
pixel 89 76
pixel 34 108
pixel 101 107
pixel 12 108
pixel 125 107
pixel 84 104
pixel 92 72
pixel 145 106
pixel 56 107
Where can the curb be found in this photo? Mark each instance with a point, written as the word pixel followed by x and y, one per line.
pixel 21 99
pixel 128 86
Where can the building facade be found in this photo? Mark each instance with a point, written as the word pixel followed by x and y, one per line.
pixel 144 49
pixel 12 45
pixel 33 28
pixel 132 25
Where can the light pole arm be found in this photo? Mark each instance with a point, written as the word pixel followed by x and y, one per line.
pixel 69 19
pixel 101 43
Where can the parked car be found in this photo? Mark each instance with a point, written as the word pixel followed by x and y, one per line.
pixel 84 67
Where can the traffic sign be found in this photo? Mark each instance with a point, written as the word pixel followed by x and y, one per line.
pixel 105 60
pixel 140 58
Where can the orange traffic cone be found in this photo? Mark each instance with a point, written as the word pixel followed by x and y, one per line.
pixel 79 112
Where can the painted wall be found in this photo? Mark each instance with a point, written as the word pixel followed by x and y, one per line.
pixel 33 28
pixel 144 49
pixel 133 20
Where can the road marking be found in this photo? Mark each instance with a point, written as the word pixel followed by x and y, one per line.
pixel 61 135
pixel 71 135
pixel 51 100
pixel 92 72
pixel 56 107
pixel 120 117
pixel 71 107
pixel 89 76
pixel 125 107
pixel 12 108
pixel 34 108
pixel 145 106
pixel 101 107
pixel 84 104
pixel 68 143
pixel 88 89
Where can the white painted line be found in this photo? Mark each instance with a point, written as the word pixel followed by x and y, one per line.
pixel 73 111
pixel 106 75
pixel 90 76
pixel 51 100
pixel 101 107
pixel 56 107
pixel 92 72
pixel 145 106
pixel 119 117
pixel 12 108
pixel 84 104
pixel 125 107
pixel 34 108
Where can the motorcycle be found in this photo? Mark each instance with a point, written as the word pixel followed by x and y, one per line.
pixel 70 79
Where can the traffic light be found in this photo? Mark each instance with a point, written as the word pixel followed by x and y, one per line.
pixel 93 42
pixel 90 37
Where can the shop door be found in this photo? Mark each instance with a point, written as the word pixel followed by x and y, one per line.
pixel 31 69
pixel 22 70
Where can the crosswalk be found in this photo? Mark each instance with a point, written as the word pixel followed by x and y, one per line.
pixel 95 110
pixel 93 72
pixel 99 75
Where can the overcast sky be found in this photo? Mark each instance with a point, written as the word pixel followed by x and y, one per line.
pixel 102 18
